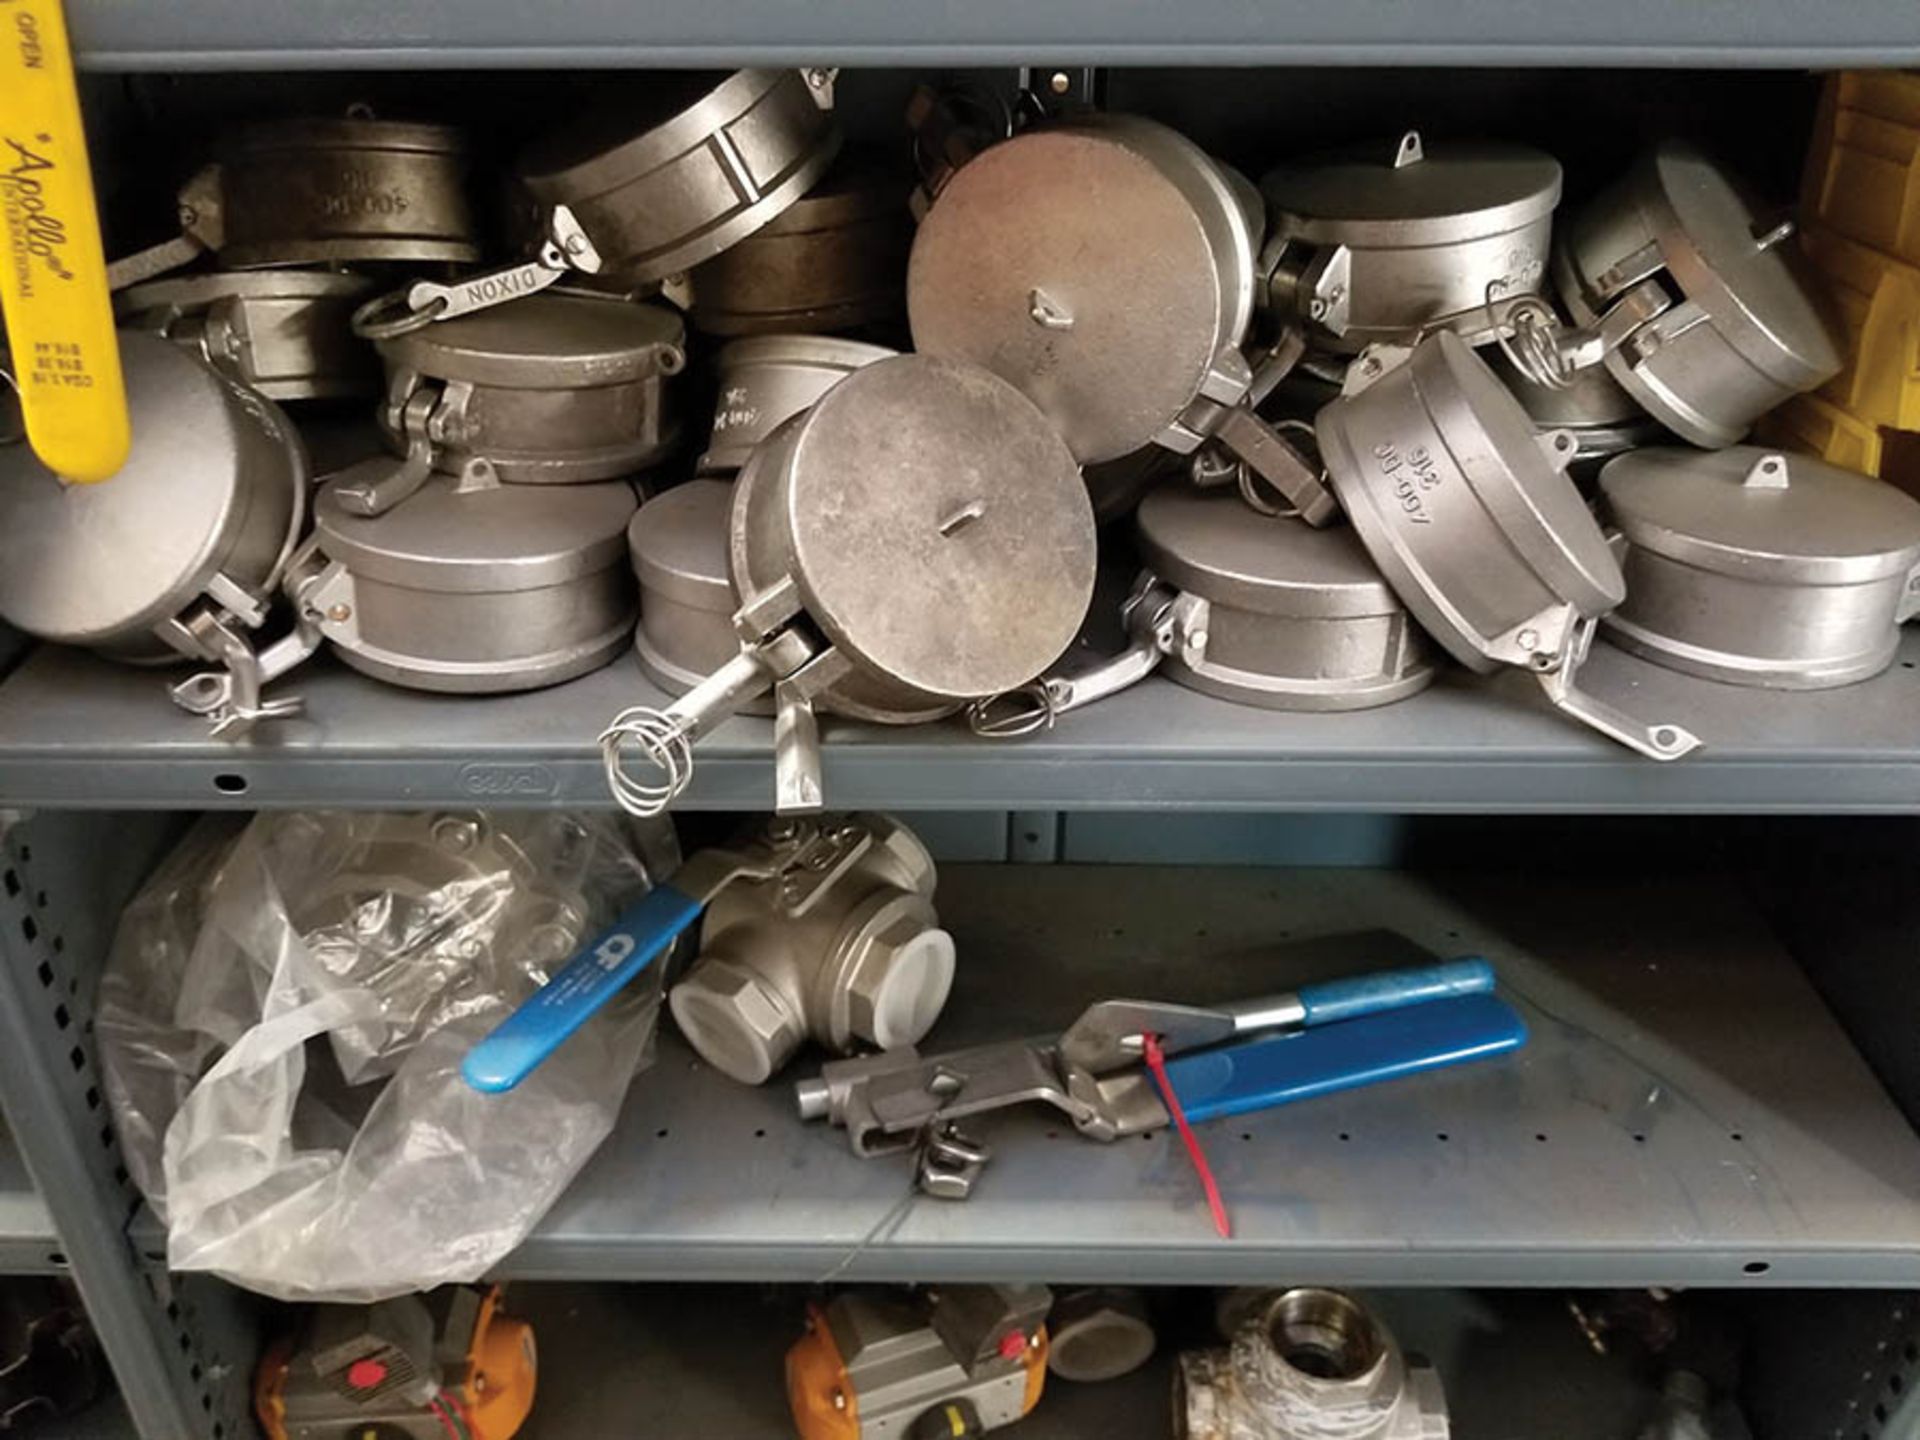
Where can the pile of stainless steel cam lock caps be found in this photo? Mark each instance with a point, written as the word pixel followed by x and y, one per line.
pixel 1373 395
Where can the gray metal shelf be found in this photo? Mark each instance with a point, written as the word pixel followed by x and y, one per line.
pixel 77 731
pixel 1687 1112
pixel 28 1245
pixel 206 34
pixel 707 1362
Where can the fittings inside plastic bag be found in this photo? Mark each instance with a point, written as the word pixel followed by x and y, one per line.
pixel 281 1023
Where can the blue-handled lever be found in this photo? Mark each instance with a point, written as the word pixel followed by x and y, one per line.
pixel 1345 1055
pixel 641 935
pixel 1108 1036
pixel 809 855
pixel 1323 1038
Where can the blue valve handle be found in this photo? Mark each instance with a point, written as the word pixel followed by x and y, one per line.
pixel 1335 1001
pixel 593 977
pixel 1302 1064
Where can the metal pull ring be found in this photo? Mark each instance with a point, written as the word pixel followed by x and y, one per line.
pixel 1153 630
pixel 1551 353
pixel 389 316
pixel 1005 717
pixel 659 738
pixel 400 312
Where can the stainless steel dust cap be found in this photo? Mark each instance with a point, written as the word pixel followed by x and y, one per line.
pixel 836 258
pixel 285 333
pixel 550 389
pixel 918 539
pixel 1104 267
pixel 471 586
pixel 323 191
pixel 935 526
pixel 692 163
pixel 1757 568
pixel 1383 241
pixel 678 545
pixel 1468 512
pixel 207 504
pixel 1746 332
pixel 1099 266
pixel 1276 613
pixel 179 553
pixel 767 380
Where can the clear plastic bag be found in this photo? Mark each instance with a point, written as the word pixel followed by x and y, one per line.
pixel 281 1024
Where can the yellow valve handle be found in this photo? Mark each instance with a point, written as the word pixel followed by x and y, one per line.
pixel 53 274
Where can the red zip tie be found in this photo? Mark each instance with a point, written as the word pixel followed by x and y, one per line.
pixel 1157 1066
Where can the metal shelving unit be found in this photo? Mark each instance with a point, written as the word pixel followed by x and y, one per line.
pixel 205 34
pixel 1686 1111
pixel 78 731
pixel 1689 1112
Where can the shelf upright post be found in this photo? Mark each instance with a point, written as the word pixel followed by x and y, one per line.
pixel 181 1352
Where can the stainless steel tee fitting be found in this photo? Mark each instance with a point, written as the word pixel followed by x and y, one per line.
pixel 861 962
pixel 1308 1365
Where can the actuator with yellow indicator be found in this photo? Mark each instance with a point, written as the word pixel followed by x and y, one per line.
pixel 53 274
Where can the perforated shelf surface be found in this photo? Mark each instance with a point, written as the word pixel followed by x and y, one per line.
pixel 1687 1111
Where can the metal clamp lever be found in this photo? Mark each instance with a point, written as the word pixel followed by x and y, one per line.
pixel 416 306
pixel 1224 414
pixel 1659 740
pixel 781 660
pixel 230 698
pixel 373 487
pixel 1550 352
pixel 1148 615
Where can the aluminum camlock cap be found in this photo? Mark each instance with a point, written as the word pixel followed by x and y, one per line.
pixel 933 522
pixel 473 587
pixel 836 259
pixel 1811 523
pixel 678 544
pixel 767 380
pixel 1746 282
pixel 1456 497
pixel 284 333
pixel 1744 331
pixel 1756 568
pixel 1384 241
pixel 1275 613
pixel 677 167
pixel 98 564
pixel 1382 196
pixel 1099 266
pixel 485 541
pixel 1211 545
pixel 547 342
pixel 340 190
